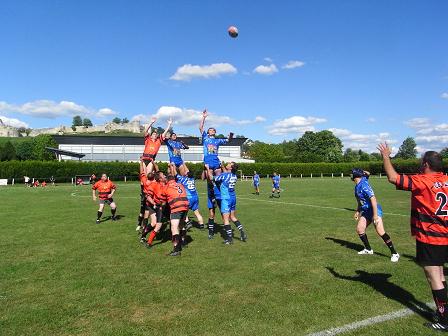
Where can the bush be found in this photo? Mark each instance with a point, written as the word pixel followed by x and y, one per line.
pixel 68 169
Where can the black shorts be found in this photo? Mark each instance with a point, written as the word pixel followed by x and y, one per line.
pixel 431 255
pixel 179 215
pixel 150 208
pixel 148 158
pixel 159 209
pixel 107 201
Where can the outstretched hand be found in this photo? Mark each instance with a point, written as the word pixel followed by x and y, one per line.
pixel 170 121
pixel 204 114
pixel 384 149
pixel 153 120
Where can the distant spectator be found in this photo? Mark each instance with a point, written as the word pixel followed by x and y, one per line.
pixel 27 181
pixel 79 181
pixel 92 179
pixel 52 180
pixel 36 183
pixel 43 184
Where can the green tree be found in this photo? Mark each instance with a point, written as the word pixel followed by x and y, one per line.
pixel 407 149
pixel 351 155
pixel 321 146
pixel 444 153
pixel 77 121
pixel 24 150
pixel 363 156
pixel 87 122
pixel 375 157
pixel 125 120
pixel 7 152
pixel 39 151
pixel 263 152
pixel 116 120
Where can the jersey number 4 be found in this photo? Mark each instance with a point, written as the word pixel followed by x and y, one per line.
pixel 443 199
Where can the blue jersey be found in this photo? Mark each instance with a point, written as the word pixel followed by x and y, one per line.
pixel 189 184
pixel 256 179
pixel 276 180
pixel 227 187
pixel 174 148
pixel 363 193
pixel 211 146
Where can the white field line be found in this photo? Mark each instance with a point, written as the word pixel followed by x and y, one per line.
pixel 268 201
pixel 367 322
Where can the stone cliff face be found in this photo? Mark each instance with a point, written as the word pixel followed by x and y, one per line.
pixel 133 127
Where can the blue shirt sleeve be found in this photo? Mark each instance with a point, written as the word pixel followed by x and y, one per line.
pixel 367 190
pixel 222 141
pixel 220 177
pixel 204 135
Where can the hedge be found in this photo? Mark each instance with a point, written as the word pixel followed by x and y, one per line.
pixel 68 169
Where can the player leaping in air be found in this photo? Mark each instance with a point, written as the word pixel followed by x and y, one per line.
pixel 153 141
pixel 211 146
pixel 174 150
pixel 106 190
pixel 369 211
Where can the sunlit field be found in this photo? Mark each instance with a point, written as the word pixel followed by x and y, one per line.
pixel 299 273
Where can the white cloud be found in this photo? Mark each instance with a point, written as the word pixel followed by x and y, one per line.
pixel 444 95
pixel 191 117
pixel 13 122
pixel 418 123
pixel 294 125
pixel 266 69
pixel 429 136
pixel 268 59
pixel 188 72
pixel 371 120
pixel 365 142
pixel 293 65
pixel 51 109
pixel 105 112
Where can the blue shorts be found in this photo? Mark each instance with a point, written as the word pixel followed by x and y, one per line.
pixel 177 161
pixel 193 203
pixel 213 163
pixel 276 186
pixel 256 184
pixel 213 203
pixel 228 205
pixel 368 213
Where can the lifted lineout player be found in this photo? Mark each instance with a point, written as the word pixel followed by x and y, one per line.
pixel 211 147
pixel 106 190
pixel 369 211
pixel 227 181
pixel 174 151
pixel 275 185
pixel 153 141
pixel 429 215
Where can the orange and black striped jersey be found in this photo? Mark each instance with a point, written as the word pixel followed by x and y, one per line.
pixel 104 188
pixel 156 190
pixel 429 206
pixel 152 146
pixel 146 185
pixel 176 196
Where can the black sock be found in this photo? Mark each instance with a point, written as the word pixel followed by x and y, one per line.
pixel 228 230
pixel 183 234
pixel 176 243
pixel 99 214
pixel 140 219
pixel 113 211
pixel 238 225
pixel 145 222
pixel 211 226
pixel 365 241
pixel 440 298
pixel 444 283
pixel 388 242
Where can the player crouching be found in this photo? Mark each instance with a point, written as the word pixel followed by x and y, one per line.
pixel 106 190
pixel 369 211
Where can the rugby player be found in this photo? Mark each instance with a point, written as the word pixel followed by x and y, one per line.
pixel 227 182
pixel 148 202
pixel 275 185
pixel 429 222
pixel 153 141
pixel 256 182
pixel 106 190
pixel 213 202
pixel 211 147
pixel 368 211
pixel 177 200
pixel 174 151
pixel 189 184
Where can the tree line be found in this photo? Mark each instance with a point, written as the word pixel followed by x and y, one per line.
pixel 321 146
pixel 28 149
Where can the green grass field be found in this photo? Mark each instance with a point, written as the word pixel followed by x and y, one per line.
pixel 61 274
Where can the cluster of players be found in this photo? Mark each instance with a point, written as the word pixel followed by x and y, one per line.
pixel 168 196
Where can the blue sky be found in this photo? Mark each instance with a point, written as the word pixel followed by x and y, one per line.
pixel 368 70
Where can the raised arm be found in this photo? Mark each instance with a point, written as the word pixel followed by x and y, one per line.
pixel 153 120
pixel 168 127
pixel 201 124
pixel 388 167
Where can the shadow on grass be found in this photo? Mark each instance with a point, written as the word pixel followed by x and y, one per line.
pixel 380 282
pixel 352 246
pixel 350 209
